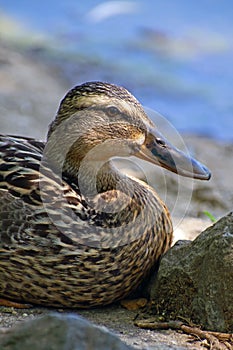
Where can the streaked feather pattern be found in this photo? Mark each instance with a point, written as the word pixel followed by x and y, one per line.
pixel 59 249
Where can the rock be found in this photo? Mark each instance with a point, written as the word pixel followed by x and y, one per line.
pixel 195 279
pixel 60 332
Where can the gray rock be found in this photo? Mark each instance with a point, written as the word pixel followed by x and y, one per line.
pixel 195 279
pixel 60 332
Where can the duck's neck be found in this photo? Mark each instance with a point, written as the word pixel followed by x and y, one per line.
pixel 89 168
pixel 94 177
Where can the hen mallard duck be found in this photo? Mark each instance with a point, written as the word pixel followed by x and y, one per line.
pixel 75 231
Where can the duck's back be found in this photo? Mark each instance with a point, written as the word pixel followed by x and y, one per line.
pixel 45 257
pixel 19 167
pixel 19 194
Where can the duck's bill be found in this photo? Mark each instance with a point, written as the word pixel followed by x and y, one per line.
pixel 157 150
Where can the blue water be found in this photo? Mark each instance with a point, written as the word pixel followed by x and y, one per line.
pixel 174 55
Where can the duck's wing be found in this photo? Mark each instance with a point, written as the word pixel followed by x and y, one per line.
pixel 35 203
pixel 21 142
pixel 19 191
pixel 19 167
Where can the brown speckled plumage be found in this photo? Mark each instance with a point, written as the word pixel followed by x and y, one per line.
pixel 61 244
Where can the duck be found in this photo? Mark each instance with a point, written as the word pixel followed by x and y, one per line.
pixel 75 231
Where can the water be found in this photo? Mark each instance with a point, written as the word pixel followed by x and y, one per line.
pixel 175 55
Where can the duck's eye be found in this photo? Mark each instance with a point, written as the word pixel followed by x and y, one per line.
pixel 112 111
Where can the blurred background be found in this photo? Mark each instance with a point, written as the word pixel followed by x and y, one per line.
pixel 175 56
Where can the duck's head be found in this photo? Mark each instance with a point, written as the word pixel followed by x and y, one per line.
pixel 100 120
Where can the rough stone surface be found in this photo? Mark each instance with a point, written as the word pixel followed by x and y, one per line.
pixel 66 332
pixel 195 279
pixel 115 318
pixel 60 332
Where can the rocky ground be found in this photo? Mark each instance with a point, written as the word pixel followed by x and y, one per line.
pixel 30 90
pixel 116 319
